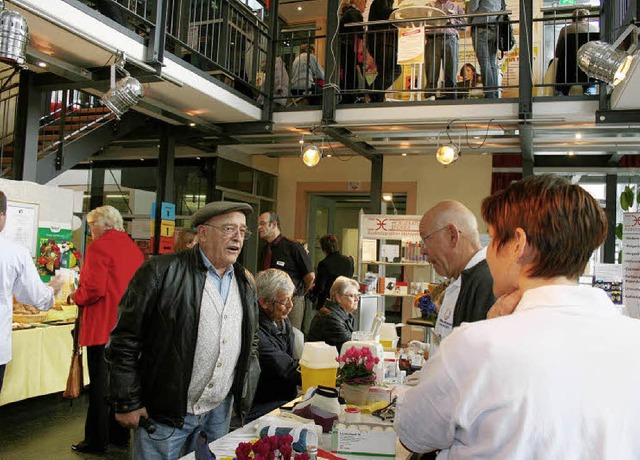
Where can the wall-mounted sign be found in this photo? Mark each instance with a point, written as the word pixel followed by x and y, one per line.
pixel 390 227
pixel 22 224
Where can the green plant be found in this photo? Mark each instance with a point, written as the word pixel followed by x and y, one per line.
pixel 629 201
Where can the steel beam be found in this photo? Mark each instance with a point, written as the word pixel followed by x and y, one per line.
pixel 343 136
pixel 80 149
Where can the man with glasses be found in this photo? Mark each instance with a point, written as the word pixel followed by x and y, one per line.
pixel 279 376
pixel 449 231
pixel 184 350
pixel 289 256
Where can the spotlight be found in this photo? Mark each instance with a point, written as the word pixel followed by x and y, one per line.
pixel 387 197
pixel 14 36
pixel 606 62
pixel 311 155
pixel 603 62
pixel 447 154
pixel 124 94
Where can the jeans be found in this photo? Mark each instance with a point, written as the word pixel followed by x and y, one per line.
pixel 441 48
pixel 167 442
pixel 485 44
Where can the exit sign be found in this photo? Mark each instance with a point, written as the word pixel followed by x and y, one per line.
pixel 567 2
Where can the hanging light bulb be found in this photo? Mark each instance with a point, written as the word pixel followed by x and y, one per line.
pixel 311 155
pixel 447 154
pixel 14 36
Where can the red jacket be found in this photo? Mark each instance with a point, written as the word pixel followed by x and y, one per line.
pixel 109 264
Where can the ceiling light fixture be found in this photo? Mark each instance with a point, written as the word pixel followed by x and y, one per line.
pixel 606 62
pixel 14 36
pixel 311 155
pixel 124 94
pixel 42 64
pixel 448 153
pixel 299 8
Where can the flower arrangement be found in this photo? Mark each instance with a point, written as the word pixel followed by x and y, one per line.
pixel 427 307
pixel 269 448
pixel 356 366
pixel 53 256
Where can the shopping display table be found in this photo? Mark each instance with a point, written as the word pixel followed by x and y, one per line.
pixel 225 446
pixel 40 363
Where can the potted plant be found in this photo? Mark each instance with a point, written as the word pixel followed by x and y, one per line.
pixel 356 374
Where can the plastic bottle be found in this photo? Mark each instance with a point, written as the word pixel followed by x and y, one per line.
pixel 377 326
pixel 312 452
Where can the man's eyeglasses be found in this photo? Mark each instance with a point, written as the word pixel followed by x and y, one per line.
pixel 286 302
pixel 425 238
pixel 230 230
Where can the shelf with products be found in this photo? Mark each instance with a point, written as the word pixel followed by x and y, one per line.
pixel 407 264
pixel 392 265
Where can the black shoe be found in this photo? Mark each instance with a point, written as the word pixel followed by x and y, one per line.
pixel 87 448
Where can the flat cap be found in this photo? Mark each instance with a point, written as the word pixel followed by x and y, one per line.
pixel 216 208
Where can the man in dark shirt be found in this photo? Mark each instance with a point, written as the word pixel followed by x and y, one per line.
pixel 288 256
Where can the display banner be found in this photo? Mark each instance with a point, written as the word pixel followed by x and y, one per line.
pixel 410 45
pixel 631 262
pixel 390 227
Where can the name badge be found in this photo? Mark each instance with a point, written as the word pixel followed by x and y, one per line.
pixel 280 263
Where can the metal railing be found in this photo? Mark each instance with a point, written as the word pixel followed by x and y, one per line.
pixel 560 35
pixel 9 82
pixel 224 38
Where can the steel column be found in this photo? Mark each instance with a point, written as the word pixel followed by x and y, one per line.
pixel 25 153
pixel 165 179
pixel 97 188
pixel 329 94
pixel 375 207
pixel 611 197
pixel 525 98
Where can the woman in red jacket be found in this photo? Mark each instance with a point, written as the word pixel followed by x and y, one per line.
pixel 110 263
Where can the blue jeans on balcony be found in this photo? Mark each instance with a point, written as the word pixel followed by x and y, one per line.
pixel 485 44
pixel 441 48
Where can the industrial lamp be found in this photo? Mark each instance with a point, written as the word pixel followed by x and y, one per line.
pixel 124 94
pixel 311 155
pixel 14 36
pixel 447 154
pixel 606 62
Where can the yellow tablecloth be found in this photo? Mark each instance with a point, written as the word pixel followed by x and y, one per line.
pixel 40 363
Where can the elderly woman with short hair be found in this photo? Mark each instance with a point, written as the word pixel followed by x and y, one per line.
pixel 279 375
pixel 109 264
pixel 334 322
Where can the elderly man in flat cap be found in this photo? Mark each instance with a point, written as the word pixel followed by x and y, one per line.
pixel 184 350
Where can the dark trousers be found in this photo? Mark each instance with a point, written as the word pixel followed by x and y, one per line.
pixel 100 426
pixel 383 48
pixel 2 368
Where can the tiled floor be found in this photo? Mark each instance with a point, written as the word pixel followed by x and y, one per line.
pixel 45 428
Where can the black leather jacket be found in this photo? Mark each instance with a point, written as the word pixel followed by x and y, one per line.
pixel 151 349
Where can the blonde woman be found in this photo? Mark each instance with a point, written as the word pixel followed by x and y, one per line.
pixel 110 262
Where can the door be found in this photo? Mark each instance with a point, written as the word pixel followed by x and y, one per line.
pixel 322 212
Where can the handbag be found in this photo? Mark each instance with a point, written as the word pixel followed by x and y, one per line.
pixel 506 39
pixel 75 379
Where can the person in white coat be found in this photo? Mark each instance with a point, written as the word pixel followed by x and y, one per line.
pixel 19 278
pixel 557 378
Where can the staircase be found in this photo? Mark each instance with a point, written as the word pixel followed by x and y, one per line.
pixel 57 128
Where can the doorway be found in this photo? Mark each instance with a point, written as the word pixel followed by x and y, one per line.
pixel 338 214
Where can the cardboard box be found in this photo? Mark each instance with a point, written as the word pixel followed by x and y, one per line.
pixel 364 439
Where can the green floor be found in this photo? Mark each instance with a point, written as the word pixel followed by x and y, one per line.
pixel 45 428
